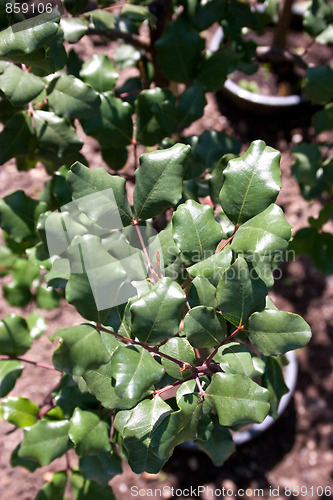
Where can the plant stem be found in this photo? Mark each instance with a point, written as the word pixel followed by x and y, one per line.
pixel 35 363
pixel 152 349
pixel 142 243
pixel 115 34
pixel 282 27
pixel 223 244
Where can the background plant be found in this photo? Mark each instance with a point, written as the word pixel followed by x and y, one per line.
pixel 197 328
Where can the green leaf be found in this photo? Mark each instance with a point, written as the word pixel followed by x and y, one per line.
pixel 236 358
pixel 318 16
pixel 100 467
pixel 323 119
pixel 158 183
pixel 179 51
pixel 204 327
pixel 216 67
pixel 15 337
pixel 80 348
pixel 99 72
pixel 237 399
pixel 115 158
pixel 28 36
pixel 134 371
pixel 149 130
pixel 89 432
pixel 240 292
pixel 273 380
pixel 216 180
pixel 83 182
pixel 75 6
pixel 89 490
pixel 277 332
pixel 219 446
pixel 159 180
pixel 264 234
pixel 99 382
pixel 18 217
pixel 72 98
pixel 156 315
pixel 251 183
pixel 19 86
pixel 181 349
pixel 36 324
pixel 195 230
pixel 100 19
pixel 55 489
pixel 45 441
pixel 10 371
pixel 74 28
pixel 319 84
pixel 17 137
pixel 137 433
pixel 213 266
pixel 47 298
pixel 20 412
pixel 191 105
pixel 202 292
pixel 56 133
pixel 16 461
pixel 111 123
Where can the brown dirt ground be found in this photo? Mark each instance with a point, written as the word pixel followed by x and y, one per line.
pixel 298 449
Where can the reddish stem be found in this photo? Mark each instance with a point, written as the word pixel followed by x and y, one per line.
pixel 35 363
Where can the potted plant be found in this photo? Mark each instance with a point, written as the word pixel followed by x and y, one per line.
pixel 173 295
pixel 282 65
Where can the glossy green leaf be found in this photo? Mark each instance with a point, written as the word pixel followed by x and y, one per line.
pixel 134 371
pixel 216 179
pixel 88 287
pixel 74 28
pixel 80 348
pixel 15 337
pixel 237 399
pixel 181 349
pixel 236 358
pixel 17 137
pixel 219 445
pixel 175 429
pixel 149 130
pixel 137 430
pixel 17 295
pixel 202 293
pixel 55 489
pixel 45 441
pixel 195 230
pixel 101 467
pixel 213 266
pixel 10 371
pixel 36 324
pixel 264 234
pixel 83 182
pixel 20 412
pixel 273 380
pixel 18 217
pixel 111 123
pixel 19 86
pixel 159 180
pixel 318 17
pixel 99 382
pixel 251 183
pixel 179 51
pixel 75 6
pixel 28 36
pixel 115 158
pixel 319 84
pixel 204 327
pixel 156 315
pixel 16 461
pixel 72 98
pixel 56 133
pixel 240 292
pixel 277 332
pixel 89 432
pixel 99 72
pixel 191 105
pixel 89 490
pixel 47 298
